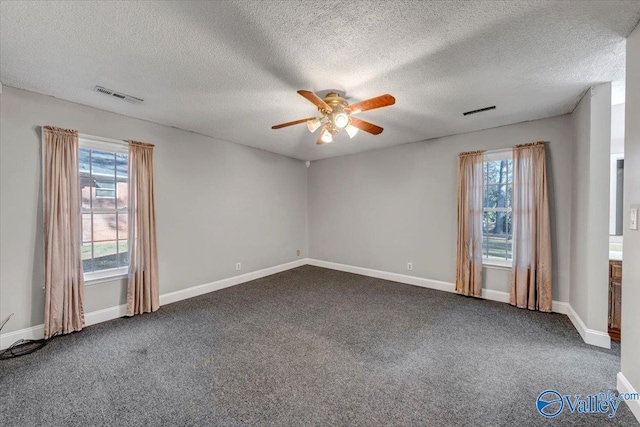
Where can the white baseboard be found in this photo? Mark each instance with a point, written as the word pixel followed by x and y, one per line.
pixel 32 333
pixel 489 294
pixel 501 296
pixel 498 296
pixel 624 386
pixel 589 336
pixel 103 315
pixel 225 283
pixel 560 307
pixel 94 317
pixel 394 277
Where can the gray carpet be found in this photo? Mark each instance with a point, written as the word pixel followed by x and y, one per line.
pixel 312 346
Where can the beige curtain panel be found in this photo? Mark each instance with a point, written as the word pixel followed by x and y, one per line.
pixel 143 295
pixel 64 283
pixel 470 204
pixel 531 274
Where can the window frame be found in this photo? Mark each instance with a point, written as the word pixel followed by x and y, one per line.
pixel 113 146
pixel 490 156
pixel 112 191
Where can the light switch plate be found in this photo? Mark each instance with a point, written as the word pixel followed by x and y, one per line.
pixel 633 218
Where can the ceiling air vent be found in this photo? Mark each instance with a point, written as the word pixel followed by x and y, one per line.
pixel 122 96
pixel 493 107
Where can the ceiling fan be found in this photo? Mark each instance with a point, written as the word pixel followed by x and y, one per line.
pixel 337 115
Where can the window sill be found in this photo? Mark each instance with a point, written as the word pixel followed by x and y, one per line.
pixel 105 276
pixel 497 264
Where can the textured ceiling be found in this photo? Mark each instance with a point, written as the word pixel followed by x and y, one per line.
pixel 231 69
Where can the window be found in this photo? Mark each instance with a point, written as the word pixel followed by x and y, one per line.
pixel 104 185
pixel 497 231
pixel 105 189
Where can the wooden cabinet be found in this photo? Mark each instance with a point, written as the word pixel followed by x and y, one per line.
pixel 615 299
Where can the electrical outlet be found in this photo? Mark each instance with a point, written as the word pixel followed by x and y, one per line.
pixel 409 266
pixel 298 252
pixel 238 266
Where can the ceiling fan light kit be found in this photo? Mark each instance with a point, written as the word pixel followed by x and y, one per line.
pixel 337 115
pixel 314 124
pixel 325 135
pixel 341 120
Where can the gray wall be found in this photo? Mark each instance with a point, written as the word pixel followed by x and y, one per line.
pixel 217 203
pixel 381 209
pixel 617 128
pixel 631 261
pixel 220 203
pixel 590 207
pixel 599 182
pixel 580 203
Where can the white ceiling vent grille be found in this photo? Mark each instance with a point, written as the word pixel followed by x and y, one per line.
pixel 122 96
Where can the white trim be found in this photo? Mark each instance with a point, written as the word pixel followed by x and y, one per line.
pixel 37 332
pixel 489 294
pixel 589 336
pixel 225 283
pixel 505 264
pixel 32 333
pixel 615 239
pixel 99 143
pixel 560 307
pixel 624 386
pixel 613 189
pixel 496 267
pixel 499 154
pixel 95 277
pixel 395 277
pixel 497 209
pixel 112 146
pixel 499 296
pixel 99 316
pixel 105 314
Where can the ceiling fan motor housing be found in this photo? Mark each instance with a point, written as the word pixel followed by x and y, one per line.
pixel 338 108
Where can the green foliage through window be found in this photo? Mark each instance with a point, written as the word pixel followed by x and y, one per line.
pixel 497 226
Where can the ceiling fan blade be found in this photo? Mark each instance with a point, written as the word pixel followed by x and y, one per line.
pixel 297 122
pixel 373 103
pixel 366 126
pixel 315 100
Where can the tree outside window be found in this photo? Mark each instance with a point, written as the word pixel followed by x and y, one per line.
pixel 497 230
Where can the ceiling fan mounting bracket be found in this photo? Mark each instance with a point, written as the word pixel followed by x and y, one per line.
pixel 336 102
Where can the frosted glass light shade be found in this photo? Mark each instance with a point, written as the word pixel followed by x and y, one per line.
pixel 351 130
pixel 313 124
pixel 326 136
pixel 341 120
